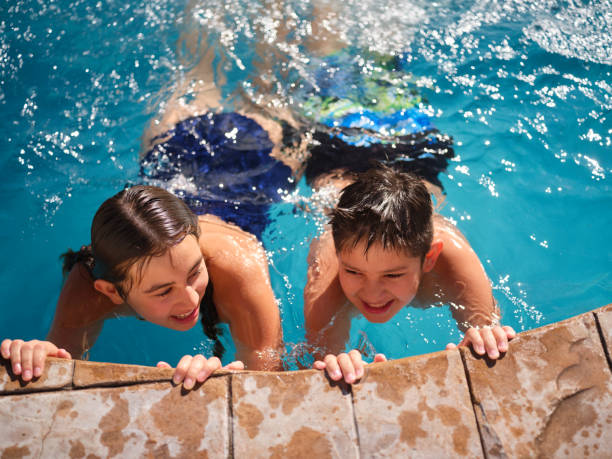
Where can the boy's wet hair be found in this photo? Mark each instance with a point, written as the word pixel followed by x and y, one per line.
pixel 384 206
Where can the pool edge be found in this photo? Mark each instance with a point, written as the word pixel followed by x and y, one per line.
pixel 551 394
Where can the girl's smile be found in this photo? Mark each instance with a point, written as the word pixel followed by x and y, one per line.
pixel 187 317
pixel 171 286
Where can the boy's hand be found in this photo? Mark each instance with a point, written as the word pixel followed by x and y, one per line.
pixel 491 340
pixel 28 357
pixel 350 366
pixel 196 369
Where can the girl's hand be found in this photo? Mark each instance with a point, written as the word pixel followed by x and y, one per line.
pixel 350 366
pixel 489 340
pixel 28 357
pixel 191 370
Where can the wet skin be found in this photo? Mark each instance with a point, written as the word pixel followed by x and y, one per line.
pixel 379 282
pixel 171 286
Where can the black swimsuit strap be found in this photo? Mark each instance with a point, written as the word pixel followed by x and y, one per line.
pixel 210 320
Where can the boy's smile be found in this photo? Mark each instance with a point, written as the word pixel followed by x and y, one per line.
pixel 380 282
pixel 374 309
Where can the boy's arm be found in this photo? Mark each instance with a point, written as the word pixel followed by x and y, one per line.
pixel 326 316
pixel 462 279
pixel 467 289
pixel 333 337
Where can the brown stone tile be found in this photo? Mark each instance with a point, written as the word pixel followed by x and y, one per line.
pixel 550 396
pixel 604 316
pixel 144 420
pixel 292 414
pixel 88 374
pixel 57 374
pixel 603 308
pixel 416 407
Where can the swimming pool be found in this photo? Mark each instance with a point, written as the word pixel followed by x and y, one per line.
pixel 524 89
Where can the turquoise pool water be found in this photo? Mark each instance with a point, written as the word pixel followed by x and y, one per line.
pixel 524 89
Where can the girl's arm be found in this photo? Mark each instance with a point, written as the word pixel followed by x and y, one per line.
pixel 77 323
pixel 244 298
pixel 80 313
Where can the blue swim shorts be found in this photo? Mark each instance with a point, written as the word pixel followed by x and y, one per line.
pixel 220 164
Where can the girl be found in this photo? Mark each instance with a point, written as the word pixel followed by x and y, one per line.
pixel 150 256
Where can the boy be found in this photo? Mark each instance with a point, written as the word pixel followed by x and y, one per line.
pixel 387 249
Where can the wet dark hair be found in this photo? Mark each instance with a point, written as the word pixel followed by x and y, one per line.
pixel 131 227
pixel 384 206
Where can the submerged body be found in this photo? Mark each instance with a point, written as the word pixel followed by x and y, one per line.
pixel 332 140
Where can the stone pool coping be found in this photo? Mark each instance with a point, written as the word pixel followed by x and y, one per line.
pixel 550 395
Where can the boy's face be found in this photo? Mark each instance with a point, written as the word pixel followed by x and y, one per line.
pixel 380 282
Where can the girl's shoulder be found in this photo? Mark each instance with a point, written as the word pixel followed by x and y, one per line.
pixel 79 303
pixel 214 228
pixel 226 245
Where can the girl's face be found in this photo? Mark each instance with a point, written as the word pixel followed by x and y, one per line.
pixel 380 282
pixel 171 286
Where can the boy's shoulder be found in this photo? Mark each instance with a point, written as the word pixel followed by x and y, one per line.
pixel 458 274
pixel 454 242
